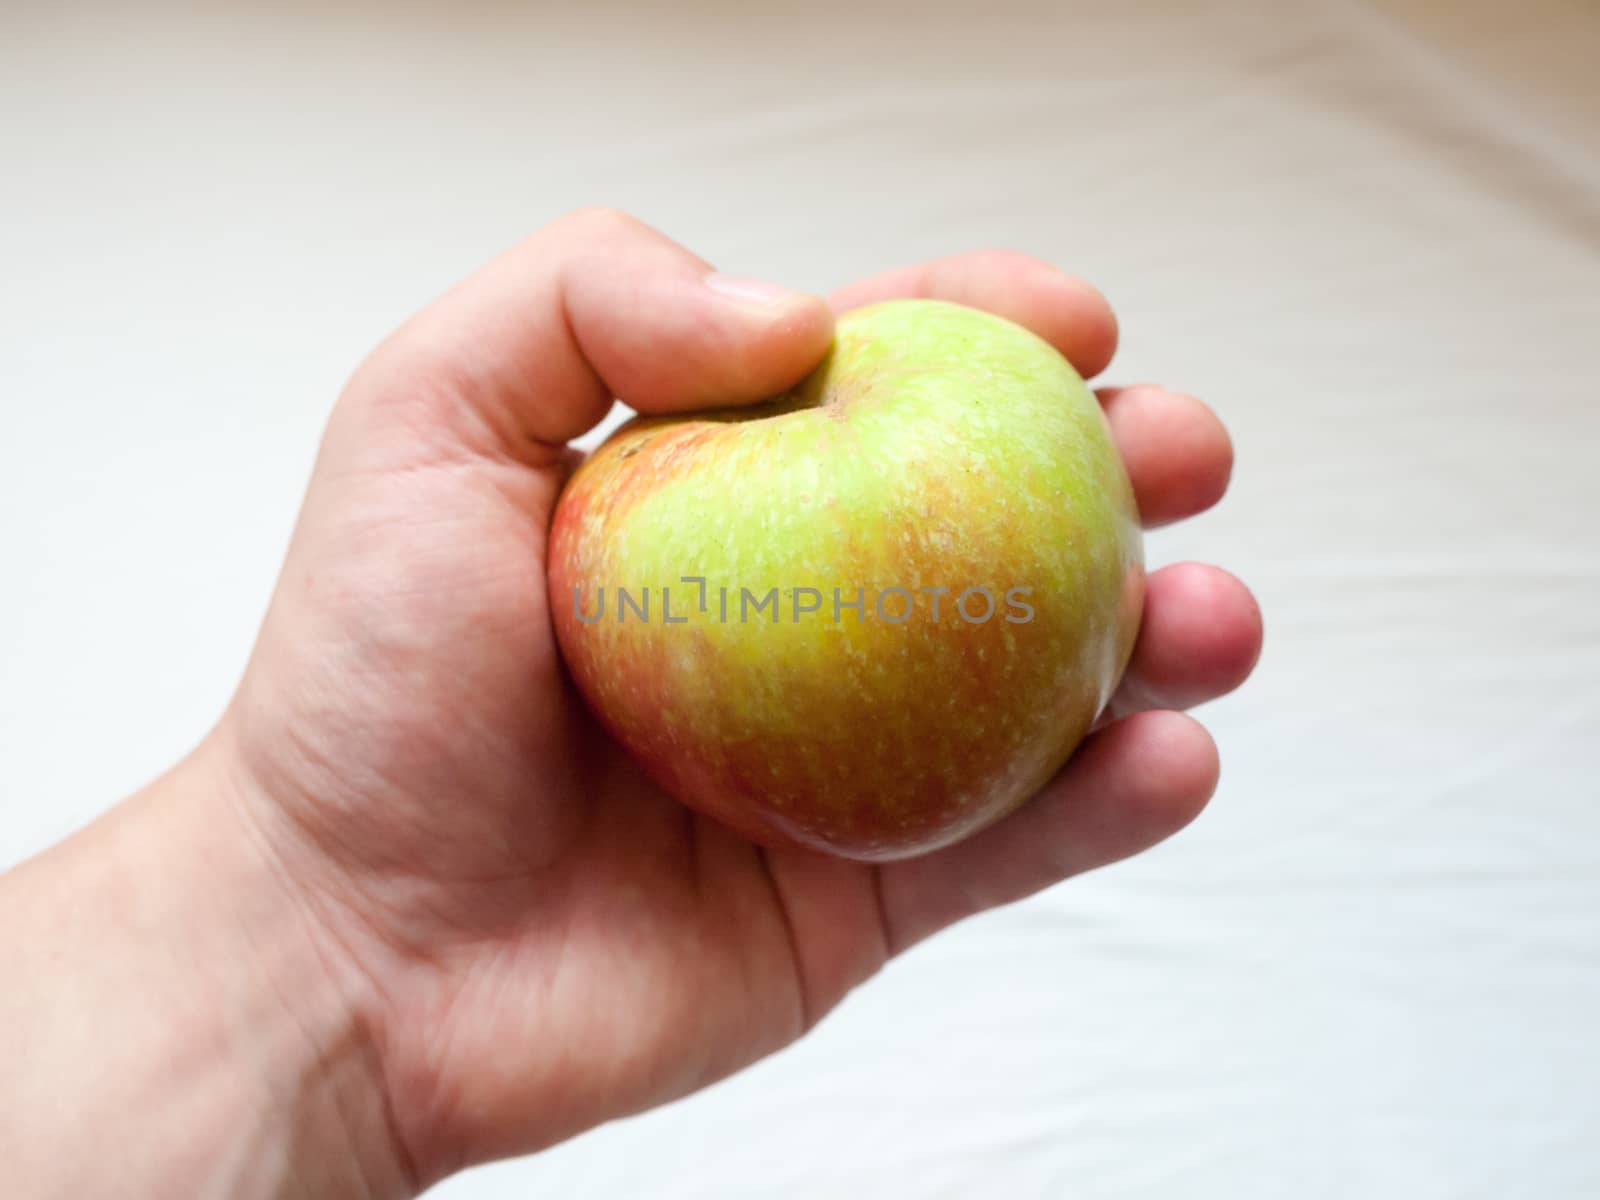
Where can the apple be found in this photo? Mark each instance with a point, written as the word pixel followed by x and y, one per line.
pixel 869 616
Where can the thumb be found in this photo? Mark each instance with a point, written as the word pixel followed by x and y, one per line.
pixel 531 350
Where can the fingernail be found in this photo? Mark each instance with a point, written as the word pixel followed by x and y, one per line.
pixel 751 291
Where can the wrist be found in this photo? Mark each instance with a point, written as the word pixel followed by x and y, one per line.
pixel 174 995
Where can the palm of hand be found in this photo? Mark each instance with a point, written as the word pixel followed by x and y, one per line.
pixel 516 881
pixel 548 940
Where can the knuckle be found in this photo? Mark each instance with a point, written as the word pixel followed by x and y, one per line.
pixel 595 219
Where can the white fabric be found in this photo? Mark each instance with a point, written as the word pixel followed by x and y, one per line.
pixel 1368 233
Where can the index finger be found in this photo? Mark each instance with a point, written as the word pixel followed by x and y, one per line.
pixel 1067 312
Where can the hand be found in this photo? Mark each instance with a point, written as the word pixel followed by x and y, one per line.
pixel 535 938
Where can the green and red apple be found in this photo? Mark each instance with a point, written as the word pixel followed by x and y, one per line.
pixel 869 616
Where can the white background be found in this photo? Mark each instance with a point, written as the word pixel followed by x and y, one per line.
pixel 1368 234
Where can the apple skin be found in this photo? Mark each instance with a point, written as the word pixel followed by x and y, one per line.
pixel 935 446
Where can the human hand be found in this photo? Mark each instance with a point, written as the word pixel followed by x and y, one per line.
pixel 534 938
